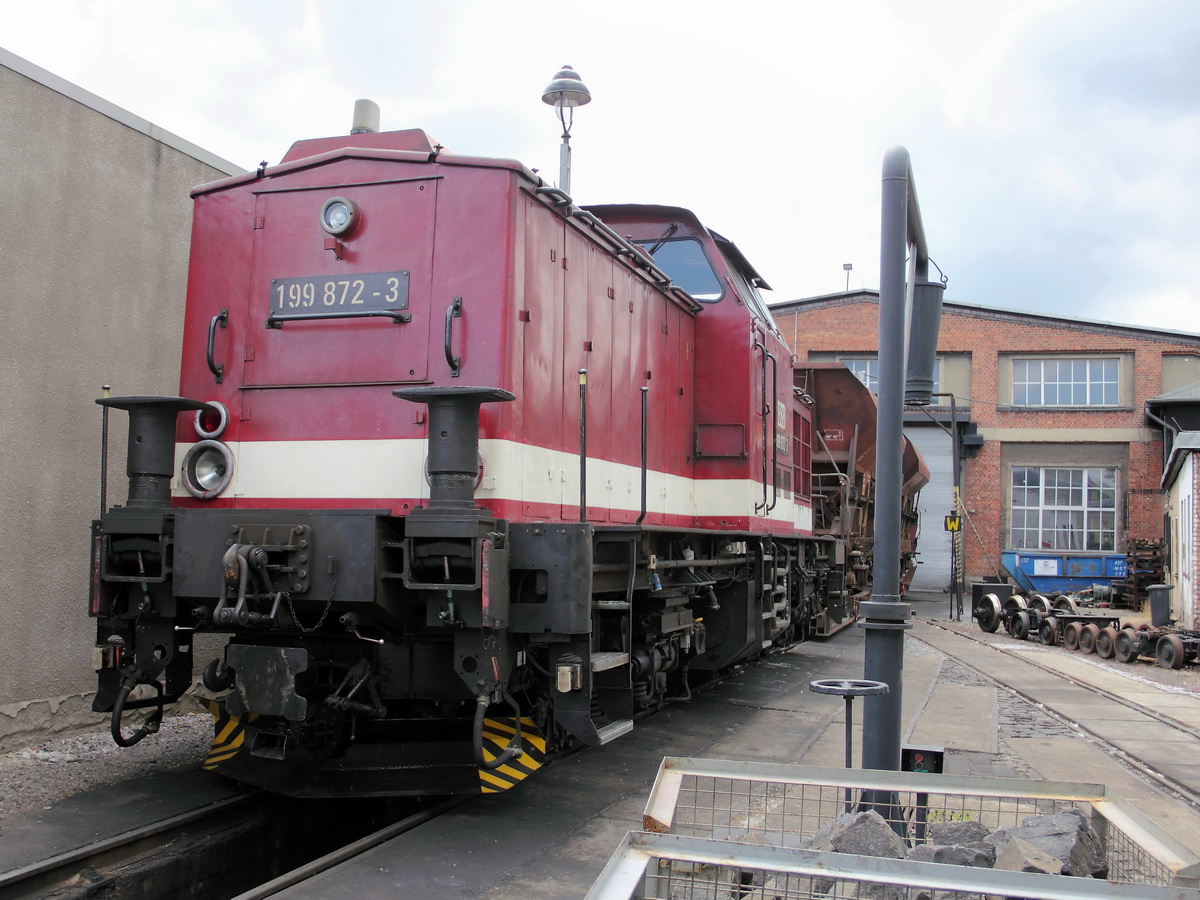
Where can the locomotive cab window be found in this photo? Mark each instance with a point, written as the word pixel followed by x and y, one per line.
pixel 753 299
pixel 684 260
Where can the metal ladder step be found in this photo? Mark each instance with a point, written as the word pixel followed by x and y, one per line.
pixel 608 660
pixel 614 730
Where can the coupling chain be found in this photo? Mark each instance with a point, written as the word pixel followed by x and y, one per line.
pixel 325 612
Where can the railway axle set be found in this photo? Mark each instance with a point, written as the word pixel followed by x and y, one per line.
pixel 1059 619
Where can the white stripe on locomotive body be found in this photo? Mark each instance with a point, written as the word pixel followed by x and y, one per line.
pixel 515 472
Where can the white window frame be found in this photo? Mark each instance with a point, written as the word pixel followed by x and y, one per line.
pixel 1076 382
pixel 1064 508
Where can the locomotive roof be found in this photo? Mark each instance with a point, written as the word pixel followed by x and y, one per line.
pixel 668 213
pixel 411 145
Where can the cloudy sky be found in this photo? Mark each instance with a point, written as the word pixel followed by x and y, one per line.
pixel 1055 143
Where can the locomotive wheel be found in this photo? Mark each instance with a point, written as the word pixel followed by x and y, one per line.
pixel 1087 637
pixel 1014 603
pixel 1106 642
pixel 1048 632
pixel 1040 603
pixel 1070 636
pixel 1169 651
pixel 987 613
pixel 1125 647
pixel 1020 625
pixel 1066 604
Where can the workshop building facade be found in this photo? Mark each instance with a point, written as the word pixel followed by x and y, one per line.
pixel 1056 450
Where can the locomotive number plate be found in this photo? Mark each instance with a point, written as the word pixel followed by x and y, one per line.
pixel 365 292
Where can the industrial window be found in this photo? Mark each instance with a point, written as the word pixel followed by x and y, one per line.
pixel 867 371
pixel 1065 382
pixel 1064 509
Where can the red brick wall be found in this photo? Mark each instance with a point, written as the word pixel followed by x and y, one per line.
pixel 848 325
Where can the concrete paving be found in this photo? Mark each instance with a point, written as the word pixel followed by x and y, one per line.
pixel 550 836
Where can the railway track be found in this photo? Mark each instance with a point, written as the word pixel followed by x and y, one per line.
pixel 1094 706
pixel 88 868
pixel 252 845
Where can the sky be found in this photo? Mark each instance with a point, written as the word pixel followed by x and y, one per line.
pixel 1055 144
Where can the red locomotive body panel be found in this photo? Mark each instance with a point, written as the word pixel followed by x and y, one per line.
pixel 539 297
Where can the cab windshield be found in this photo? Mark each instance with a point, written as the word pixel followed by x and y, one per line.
pixel 684 261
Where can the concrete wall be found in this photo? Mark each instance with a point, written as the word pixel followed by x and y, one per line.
pixel 94 227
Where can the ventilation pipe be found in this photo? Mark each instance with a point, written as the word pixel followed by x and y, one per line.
pixel 366 117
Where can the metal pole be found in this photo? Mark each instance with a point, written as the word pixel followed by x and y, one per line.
pixel 564 164
pixel 959 562
pixel 106 392
pixel 583 445
pixel 885 616
pixel 642 514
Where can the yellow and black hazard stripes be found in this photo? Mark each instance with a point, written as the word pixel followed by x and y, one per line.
pixel 496 735
pixel 228 734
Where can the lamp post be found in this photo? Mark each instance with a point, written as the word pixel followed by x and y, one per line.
pixel 847 267
pixel 564 93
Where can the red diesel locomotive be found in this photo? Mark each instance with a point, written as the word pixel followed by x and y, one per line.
pixel 469 475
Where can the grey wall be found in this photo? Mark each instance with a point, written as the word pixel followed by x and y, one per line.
pixel 94 225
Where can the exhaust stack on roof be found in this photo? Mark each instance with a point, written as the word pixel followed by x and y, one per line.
pixel 366 117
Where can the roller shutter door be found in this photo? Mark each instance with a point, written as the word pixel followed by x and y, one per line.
pixel 936 502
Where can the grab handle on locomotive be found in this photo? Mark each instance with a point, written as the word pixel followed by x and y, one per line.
pixel 220 319
pixel 453 311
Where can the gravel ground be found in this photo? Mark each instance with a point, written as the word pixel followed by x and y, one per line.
pixel 37 777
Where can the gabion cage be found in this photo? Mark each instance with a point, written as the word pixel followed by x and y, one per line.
pixel 735 810
pixel 677 867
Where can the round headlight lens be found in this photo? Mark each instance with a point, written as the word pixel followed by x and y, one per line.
pixel 339 216
pixel 207 469
pixel 211 420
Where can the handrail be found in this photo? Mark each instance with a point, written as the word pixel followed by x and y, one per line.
pixel 275 321
pixel 453 311
pixel 221 319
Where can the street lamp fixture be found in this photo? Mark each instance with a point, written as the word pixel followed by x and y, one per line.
pixel 564 93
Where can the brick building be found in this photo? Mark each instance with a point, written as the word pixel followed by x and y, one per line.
pixel 1057 452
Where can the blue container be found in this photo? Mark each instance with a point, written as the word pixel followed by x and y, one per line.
pixel 1045 572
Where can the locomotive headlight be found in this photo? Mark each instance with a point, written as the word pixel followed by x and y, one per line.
pixel 339 216
pixel 211 420
pixel 207 469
